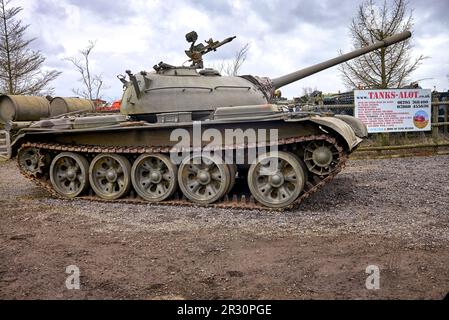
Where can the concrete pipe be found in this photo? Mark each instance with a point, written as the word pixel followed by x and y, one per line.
pixel 59 105
pixel 23 108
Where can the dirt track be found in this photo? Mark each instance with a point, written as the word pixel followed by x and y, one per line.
pixel 390 213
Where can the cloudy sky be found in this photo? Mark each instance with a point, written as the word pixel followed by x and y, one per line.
pixel 284 35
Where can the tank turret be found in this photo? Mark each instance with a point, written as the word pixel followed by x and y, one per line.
pixel 184 89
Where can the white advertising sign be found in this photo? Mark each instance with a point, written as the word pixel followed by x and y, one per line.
pixel 394 110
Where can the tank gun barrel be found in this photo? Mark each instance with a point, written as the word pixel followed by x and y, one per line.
pixel 297 75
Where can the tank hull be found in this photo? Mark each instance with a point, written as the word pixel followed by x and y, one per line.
pixel 240 144
pixel 138 134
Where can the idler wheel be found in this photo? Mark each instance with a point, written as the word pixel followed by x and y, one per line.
pixel 276 179
pixel 110 176
pixel 69 174
pixel 321 157
pixel 204 179
pixel 154 177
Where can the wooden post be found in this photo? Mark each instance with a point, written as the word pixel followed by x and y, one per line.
pixel 435 119
pixel 386 139
pixel 446 107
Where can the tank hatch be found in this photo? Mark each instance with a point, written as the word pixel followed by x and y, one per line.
pixel 209 72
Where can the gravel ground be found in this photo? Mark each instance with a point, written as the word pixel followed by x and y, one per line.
pixel 391 213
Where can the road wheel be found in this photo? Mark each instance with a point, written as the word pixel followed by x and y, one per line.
pixel 154 177
pixel 69 174
pixel 110 176
pixel 276 179
pixel 204 179
pixel 232 172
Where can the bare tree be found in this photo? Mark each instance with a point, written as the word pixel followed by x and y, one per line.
pixel 20 67
pixel 386 67
pixel 92 83
pixel 232 68
pixel 307 91
pixel 309 94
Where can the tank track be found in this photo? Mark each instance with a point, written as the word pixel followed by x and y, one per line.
pixel 245 201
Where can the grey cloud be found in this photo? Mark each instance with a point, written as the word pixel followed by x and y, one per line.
pixel 270 21
pixel 46 11
pixel 106 9
pixel 434 10
pixel 430 20
pixel 220 7
pixel 51 9
pixel 283 16
pixel 50 49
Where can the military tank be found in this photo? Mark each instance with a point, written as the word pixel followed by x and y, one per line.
pixel 188 135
